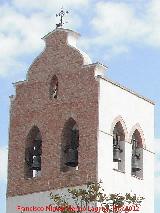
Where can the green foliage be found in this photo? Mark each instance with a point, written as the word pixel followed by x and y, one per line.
pixel 84 199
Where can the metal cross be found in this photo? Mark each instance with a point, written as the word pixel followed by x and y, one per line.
pixel 61 14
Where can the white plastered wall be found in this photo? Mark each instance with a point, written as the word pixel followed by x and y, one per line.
pixel 40 201
pixel 117 102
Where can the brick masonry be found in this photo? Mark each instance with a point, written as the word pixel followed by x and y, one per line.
pixel 77 98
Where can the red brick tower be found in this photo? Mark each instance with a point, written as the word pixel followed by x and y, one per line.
pixel 59 96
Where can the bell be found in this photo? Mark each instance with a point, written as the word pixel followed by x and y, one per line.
pixel 72 157
pixel 116 153
pixel 37 150
pixel 36 163
pixel 135 164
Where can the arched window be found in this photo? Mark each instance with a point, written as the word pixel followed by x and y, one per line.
pixel 119 147
pixel 33 152
pixel 53 90
pixel 69 146
pixel 137 155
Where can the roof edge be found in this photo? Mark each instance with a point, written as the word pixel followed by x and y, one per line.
pixel 97 64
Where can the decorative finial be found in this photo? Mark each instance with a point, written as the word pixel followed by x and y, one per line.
pixel 61 14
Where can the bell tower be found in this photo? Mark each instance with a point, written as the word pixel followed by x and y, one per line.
pixel 70 125
pixel 53 123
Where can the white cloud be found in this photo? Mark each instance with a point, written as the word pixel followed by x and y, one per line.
pixel 119 24
pixel 153 22
pixel 157 185
pixel 17 41
pixel 49 4
pixel 157 145
pixel 3 163
pixel 157 166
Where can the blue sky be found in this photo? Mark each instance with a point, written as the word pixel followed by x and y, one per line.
pixel 122 34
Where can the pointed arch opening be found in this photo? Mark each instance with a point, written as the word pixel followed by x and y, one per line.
pixel 69 146
pixel 119 147
pixel 137 155
pixel 33 152
pixel 53 89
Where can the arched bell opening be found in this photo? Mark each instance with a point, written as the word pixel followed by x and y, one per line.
pixel 69 146
pixel 53 90
pixel 119 147
pixel 137 155
pixel 33 152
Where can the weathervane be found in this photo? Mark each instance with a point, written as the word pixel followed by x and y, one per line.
pixel 61 14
